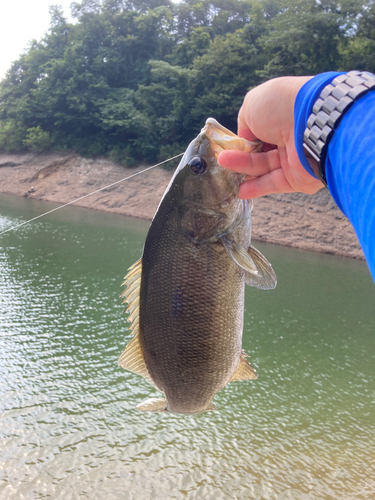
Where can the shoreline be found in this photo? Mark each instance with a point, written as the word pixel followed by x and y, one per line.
pixel 302 221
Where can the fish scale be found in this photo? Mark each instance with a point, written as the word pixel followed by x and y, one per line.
pixel 186 295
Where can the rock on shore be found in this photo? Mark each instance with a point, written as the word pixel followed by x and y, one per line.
pixel 297 220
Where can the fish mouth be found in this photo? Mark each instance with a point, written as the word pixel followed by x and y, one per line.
pixel 221 139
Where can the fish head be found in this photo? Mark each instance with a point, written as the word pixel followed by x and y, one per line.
pixel 208 193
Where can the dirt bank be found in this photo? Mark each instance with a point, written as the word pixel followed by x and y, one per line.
pixel 297 220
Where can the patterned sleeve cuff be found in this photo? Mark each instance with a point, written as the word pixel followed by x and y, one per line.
pixel 304 103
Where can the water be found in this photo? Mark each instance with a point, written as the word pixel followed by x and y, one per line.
pixel 304 430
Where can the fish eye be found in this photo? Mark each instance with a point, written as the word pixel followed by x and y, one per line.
pixel 197 165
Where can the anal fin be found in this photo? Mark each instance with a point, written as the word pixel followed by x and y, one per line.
pixel 244 371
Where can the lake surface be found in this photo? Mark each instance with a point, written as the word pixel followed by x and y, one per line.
pixel 68 428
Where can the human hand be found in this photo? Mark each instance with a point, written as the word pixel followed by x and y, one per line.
pixel 267 114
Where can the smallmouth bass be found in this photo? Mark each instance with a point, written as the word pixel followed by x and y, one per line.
pixel 186 294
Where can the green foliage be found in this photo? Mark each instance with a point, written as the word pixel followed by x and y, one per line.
pixel 224 74
pixel 37 139
pixel 12 136
pixel 136 79
pixel 303 39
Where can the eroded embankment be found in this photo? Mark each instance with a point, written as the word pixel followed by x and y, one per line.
pixel 297 220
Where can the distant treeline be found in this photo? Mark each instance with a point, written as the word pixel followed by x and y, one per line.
pixel 136 79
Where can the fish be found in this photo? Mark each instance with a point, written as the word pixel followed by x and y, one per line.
pixel 185 295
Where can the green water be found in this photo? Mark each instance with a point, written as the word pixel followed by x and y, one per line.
pixel 304 430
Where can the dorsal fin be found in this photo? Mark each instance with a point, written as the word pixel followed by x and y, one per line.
pixel 131 288
pixel 133 272
pixel 136 265
pixel 132 359
pixel 244 371
pixel 131 294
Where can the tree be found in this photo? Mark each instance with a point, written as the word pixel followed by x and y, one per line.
pixel 224 75
pixel 37 139
pixel 304 38
pixel 136 79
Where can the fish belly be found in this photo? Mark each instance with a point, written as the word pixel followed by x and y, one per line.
pixel 191 318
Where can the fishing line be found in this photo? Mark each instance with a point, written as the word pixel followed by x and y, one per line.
pixel 86 195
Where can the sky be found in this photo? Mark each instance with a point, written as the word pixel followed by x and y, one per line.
pixel 20 22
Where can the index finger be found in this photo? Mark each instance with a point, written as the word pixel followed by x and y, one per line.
pixel 246 133
pixel 242 126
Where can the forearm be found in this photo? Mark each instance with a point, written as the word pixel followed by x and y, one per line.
pixel 350 161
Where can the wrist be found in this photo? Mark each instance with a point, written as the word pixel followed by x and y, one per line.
pixel 333 103
pixel 305 100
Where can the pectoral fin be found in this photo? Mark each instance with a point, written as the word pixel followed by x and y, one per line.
pixel 244 371
pixel 259 272
pixel 266 278
pixel 240 256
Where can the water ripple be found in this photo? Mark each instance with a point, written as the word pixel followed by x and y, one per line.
pixel 68 428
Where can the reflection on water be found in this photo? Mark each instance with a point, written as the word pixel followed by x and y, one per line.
pixel 68 428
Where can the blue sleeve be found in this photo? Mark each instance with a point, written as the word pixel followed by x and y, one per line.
pixel 350 161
